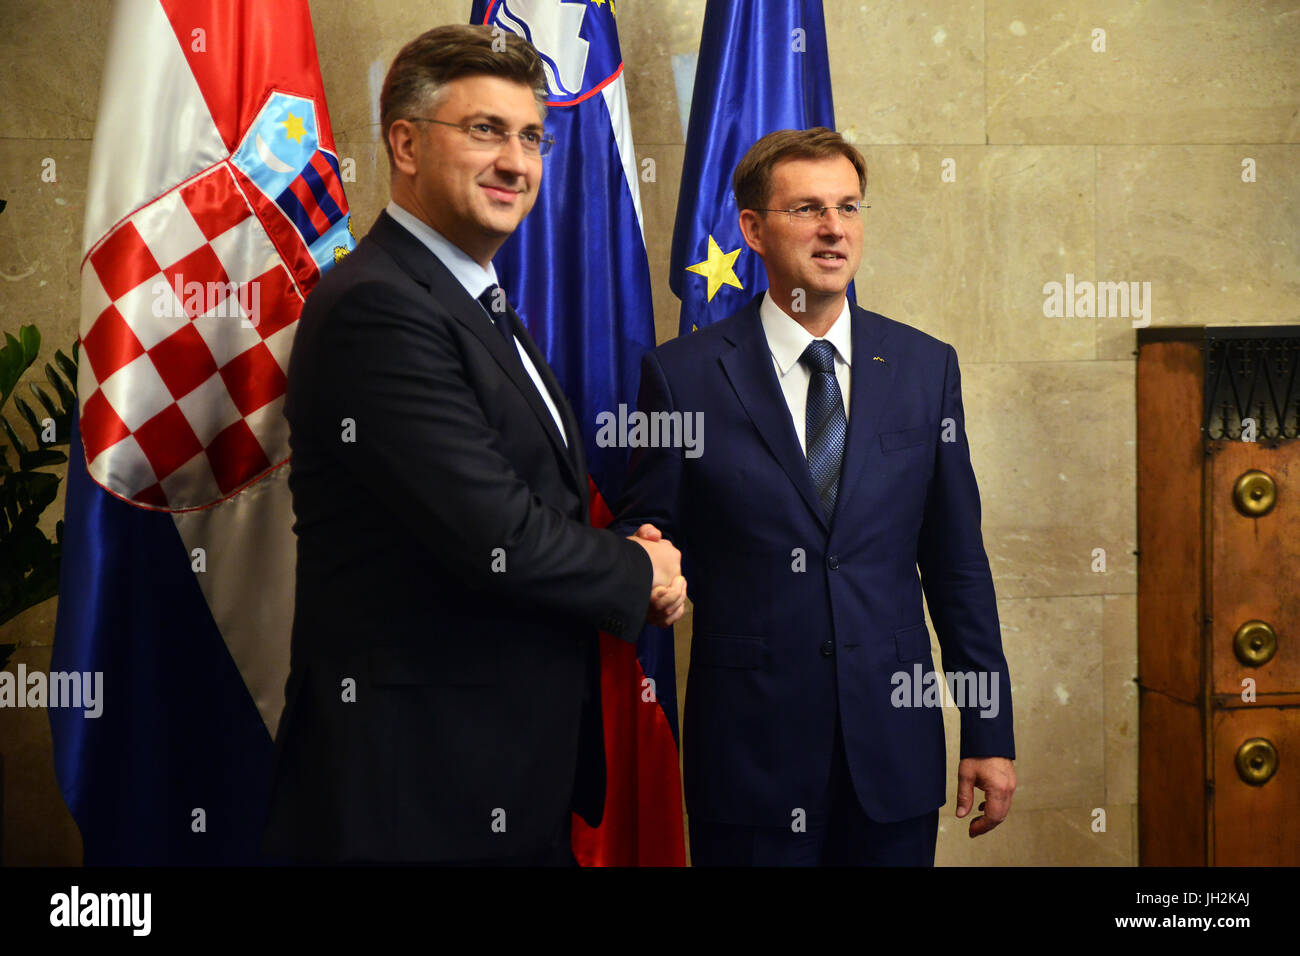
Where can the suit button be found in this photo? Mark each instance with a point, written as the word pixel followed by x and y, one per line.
pixel 833 562
pixel 828 649
pixel 612 625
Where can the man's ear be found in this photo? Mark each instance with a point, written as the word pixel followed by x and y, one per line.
pixel 751 227
pixel 403 139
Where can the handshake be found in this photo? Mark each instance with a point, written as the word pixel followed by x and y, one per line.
pixel 668 589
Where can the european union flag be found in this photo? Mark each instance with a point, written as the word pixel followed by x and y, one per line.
pixel 762 67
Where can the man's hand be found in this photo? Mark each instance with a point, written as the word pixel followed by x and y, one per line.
pixel 996 776
pixel 666 559
pixel 667 601
pixel 667 605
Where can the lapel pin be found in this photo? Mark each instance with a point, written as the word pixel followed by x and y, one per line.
pixel 877 358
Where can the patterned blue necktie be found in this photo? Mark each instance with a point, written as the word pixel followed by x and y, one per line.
pixel 825 424
pixel 494 304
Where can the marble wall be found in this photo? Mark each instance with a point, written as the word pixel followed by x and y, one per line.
pixel 1111 156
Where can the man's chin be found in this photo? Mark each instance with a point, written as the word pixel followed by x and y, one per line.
pixel 497 229
pixel 502 221
pixel 828 287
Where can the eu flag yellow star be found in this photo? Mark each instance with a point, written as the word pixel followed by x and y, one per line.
pixel 717 268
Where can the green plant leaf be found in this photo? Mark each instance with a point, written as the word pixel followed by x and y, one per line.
pixel 11 366
pixel 40 458
pixel 13 437
pixel 67 399
pixel 41 396
pixel 16 358
pixel 31 339
pixel 29 417
pixel 68 366
pixel 23 496
pixel 67 394
pixel 29 561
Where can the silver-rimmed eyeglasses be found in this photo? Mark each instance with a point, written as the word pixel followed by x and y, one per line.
pixel 807 212
pixel 490 135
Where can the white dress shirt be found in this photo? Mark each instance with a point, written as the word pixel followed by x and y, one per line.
pixel 476 281
pixel 787 340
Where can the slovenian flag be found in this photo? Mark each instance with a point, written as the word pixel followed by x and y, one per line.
pixel 577 273
pixel 214 204
pixel 762 67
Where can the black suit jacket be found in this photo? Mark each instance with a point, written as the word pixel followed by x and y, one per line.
pixel 443 700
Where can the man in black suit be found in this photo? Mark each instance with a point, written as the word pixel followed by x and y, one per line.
pixel 443 702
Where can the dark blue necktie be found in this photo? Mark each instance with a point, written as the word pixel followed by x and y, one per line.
pixel 825 424
pixel 495 305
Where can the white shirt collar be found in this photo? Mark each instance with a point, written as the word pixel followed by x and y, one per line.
pixel 468 273
pixel 787 338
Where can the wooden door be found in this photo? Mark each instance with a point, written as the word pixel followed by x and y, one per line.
pixel 1254 645
pixel 1219 596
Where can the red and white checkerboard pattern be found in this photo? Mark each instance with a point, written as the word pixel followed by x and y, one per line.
pixel 182 399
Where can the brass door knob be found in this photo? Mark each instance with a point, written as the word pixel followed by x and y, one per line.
pixel 1256 761
pixel 1255 643
pixel 1255 493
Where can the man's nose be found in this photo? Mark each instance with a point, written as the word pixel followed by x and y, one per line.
pixel 511 157
pixel 830 223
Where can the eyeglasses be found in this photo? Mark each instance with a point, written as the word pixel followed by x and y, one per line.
pixel 809 211
pixel 490 134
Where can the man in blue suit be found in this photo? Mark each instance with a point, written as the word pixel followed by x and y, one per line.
pixel 835 464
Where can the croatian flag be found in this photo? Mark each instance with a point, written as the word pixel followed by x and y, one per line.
pixel 576 272
pixel 762 67
pixel 214 204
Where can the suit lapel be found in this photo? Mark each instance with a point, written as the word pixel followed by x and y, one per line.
pixel 871 382
pixel 749 368
pixel 422 265
pixel 572 455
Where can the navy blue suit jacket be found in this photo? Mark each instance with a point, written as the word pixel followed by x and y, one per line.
pixel 795 616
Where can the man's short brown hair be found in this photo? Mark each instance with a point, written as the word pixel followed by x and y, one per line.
pixel 416 79
pixel 752 181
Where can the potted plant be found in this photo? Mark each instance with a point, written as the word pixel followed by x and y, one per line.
pixel 29 560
